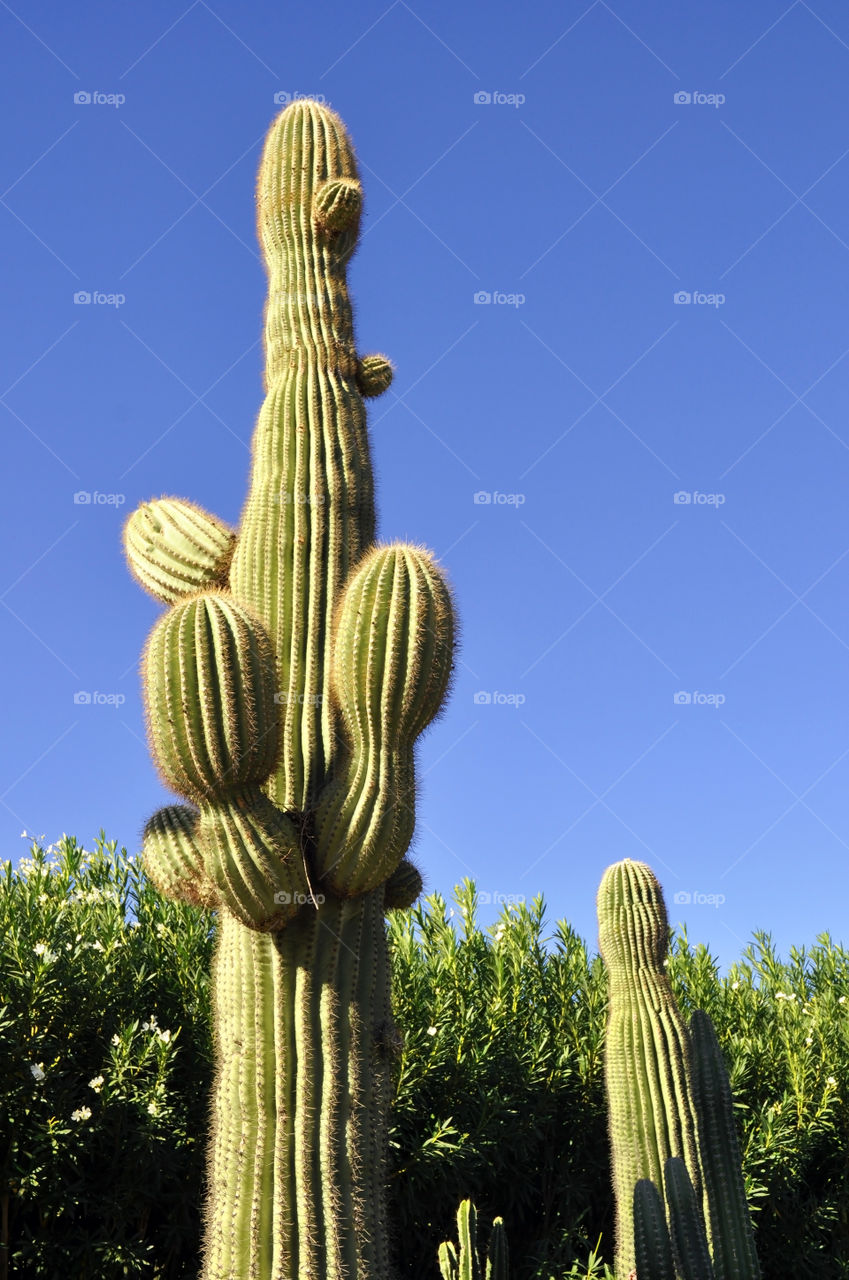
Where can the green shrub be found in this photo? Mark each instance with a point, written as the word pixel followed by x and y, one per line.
pixel 500 1096
pixel 105 1067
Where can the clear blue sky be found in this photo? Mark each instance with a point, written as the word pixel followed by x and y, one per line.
pixel 585 194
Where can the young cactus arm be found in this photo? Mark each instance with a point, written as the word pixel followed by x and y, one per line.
pixel 391 665
pixel 403 886
pixel 498 1258
pixel 309 515
pixel 175 549
pixel 210 694
pixel 734 1253
pixel 686 1224
pixel 648 1072
pixel 652 1246
pixel 173 856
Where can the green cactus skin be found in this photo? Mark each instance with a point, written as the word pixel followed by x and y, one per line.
pixel 463 1263
pixel 284 689
pixel 403 886
pixel 686 1224
pixel 648 1071
pixel 652 1246
pixel 173 547
pixel 734 1253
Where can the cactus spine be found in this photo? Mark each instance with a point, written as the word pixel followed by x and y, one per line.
pixel 669 1103
pixel 285 688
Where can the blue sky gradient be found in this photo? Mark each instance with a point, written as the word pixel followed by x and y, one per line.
pixel 655 203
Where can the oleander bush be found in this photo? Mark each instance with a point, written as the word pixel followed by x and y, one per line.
pixel 105 1064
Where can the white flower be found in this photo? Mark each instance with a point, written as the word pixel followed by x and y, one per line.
pixel 734 986
pixel 809 1040
pixel 43 897
pixel 116 1039
pixel 160 929
pixel 164 1035
pixel 84 1113
pixel 431 1031
pixel 42 949
pixel 841 999
pixel 96 1084
pixel 831 1081
pixel 153 1109
pixel 37 1069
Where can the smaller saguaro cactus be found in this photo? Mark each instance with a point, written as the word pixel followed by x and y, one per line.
pixel 465 1263
pixel 670 1108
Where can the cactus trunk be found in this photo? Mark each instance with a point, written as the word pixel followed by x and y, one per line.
pixel 304 1044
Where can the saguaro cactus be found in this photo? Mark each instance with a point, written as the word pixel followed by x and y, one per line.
pixel 670 1108
pixel 285 688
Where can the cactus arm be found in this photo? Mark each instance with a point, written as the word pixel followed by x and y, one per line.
pixel 686 1222
pixel 174 548
pixel 734 1254
pixel 173 856
pixel 498 1259
pixel 448 1263
pixel 391 665
pixel 652 1246
pixel 648 1073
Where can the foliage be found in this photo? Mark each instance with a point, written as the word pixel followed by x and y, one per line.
pixel 500 1096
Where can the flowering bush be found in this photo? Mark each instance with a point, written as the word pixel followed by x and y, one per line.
pixel 104 1060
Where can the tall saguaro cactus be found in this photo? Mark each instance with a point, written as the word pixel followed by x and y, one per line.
pixel 285 688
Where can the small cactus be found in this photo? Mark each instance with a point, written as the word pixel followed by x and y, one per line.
pixel 670 1107
pixel 464 1262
